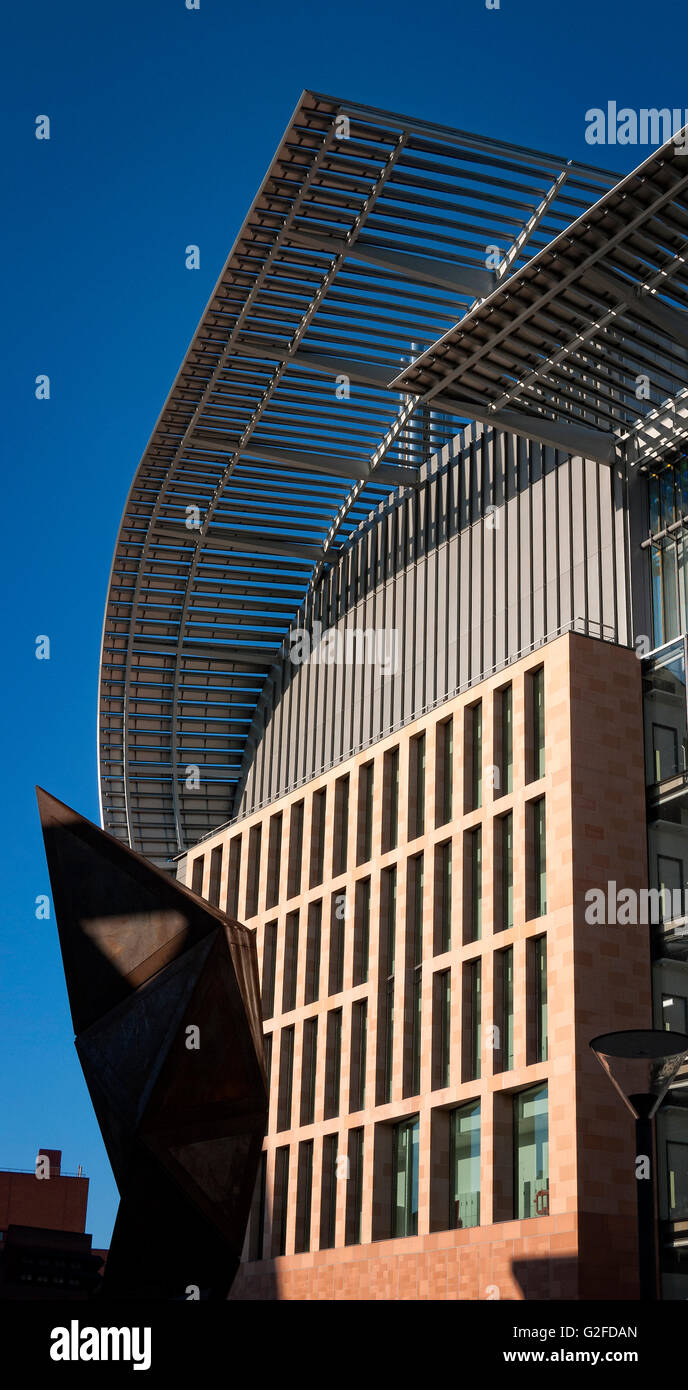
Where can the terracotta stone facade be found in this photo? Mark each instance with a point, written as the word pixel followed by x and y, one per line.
pixel 284 872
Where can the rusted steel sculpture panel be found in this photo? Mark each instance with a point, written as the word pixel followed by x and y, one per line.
pixel 165 1002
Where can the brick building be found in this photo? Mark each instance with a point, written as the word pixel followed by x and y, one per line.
pixel 394 671
pixel 44 1251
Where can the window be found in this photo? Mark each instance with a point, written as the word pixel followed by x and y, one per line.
pixel 328 1192
pixel 473 787
pixel 668 587
pixel 359 1029
pixel 505 726
pixel 365 814
pixel 233 877
pixel 304 1196
pixel 416 792
pixel 664 711
pixel 197 875
pixel 415 966
pixel 361 931
pixel 286 1076
pixel 664 752
pixel 667 503
pixel 405 1178
pixel 333 1062
pixel 505 994
pixel 215 876
pixel 388 907
pixel 536 866
pixel 670 878
pixel 675 1013
pixel 536 703
pixel 668 494
pixel 444 772
pixel 472 1019
pixel 313 936
pixel 390 801
pixel 531 1153
pixel 354 1190
pixel 473 884
pixel 443 897
pixel 257 1232
pixel 253 871
pixel 540 971
pixel 441 1032
pixel 308 1070
pixel 677 1177
pixel 295 850
pixel 274 860
pixel 464 1166
pixel 318 837
pixel 504 856
pixel 337 923
pixel 341 827
pixel 280 1202
pixel 269 966
pixel 267 1048
pixel 291 955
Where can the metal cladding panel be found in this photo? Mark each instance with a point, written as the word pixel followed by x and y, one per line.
pixel 607 552
pixel 623 520
pixel 340 681
pixel 331 674
pixel 475 628
pixel 550 509
pixel 580 558
pixel 406 638
pixel 501 540
pixel 432 636
pixel 564 527
pixel 466 595
pixel 392 694
pixel 452 614
pixel 369 672
pixel 420 697
pixel 538 545
pixel 488 600
pixel 592 500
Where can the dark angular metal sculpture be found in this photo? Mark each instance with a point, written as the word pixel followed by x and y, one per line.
pixel 165 1002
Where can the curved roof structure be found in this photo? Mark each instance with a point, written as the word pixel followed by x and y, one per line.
pixel 369 236
pixel 558 350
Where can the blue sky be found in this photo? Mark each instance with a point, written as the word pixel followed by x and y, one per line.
pixel 163 122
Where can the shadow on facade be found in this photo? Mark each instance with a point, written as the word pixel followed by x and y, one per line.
pixel 547 1279
pixel 263 1287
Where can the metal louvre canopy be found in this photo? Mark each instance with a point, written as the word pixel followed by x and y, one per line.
pixel 369 234
pixel 587 345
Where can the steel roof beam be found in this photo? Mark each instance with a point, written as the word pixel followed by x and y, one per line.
pixel 454 276
pixel 672 322
pixel 228 540
pixel 573 439
pixel 207 651
pixel 332 465
pixel 368 373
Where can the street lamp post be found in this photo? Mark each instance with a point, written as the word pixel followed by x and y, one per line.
pixel 641 1063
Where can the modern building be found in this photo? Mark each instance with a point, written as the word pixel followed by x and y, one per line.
pixel 44 1250
pixel 394 671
